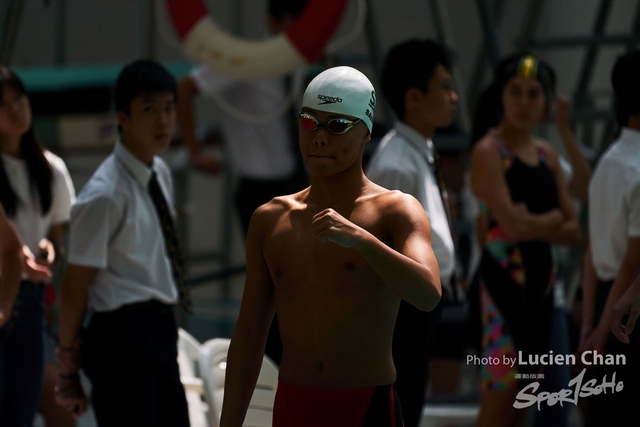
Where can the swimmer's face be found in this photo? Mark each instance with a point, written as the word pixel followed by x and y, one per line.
pixel 327 154
pixel 150 123
pixel 523 102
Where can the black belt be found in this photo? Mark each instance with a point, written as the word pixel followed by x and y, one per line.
pixel 137 307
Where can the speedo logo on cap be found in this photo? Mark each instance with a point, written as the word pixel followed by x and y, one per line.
pixel 328 99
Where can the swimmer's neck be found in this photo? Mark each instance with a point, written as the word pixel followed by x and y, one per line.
pixel 329 192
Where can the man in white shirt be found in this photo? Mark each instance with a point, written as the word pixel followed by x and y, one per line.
pixel 125 265
pixel 334 260
pixel 259 145
pixel 260 150
pixel 614 227
pixel 417 83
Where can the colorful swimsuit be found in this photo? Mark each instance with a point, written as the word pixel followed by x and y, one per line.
pixel 319 407
pixel 517 278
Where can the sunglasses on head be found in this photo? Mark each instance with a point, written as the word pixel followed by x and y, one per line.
pixel 336 126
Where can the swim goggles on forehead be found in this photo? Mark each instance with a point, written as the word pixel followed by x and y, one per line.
pixel 530 67
pixel 336 126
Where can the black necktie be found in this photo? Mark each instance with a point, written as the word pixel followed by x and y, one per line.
pixel 445 202
pixel 171 242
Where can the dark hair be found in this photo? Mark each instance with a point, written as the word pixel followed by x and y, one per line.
pixel 40 172
pixel 141 77
pixel 410 64
pixel 626 86
pixel 278 9
pixel 489 109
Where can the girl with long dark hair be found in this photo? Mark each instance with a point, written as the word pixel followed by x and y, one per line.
pixel 518 179
pixel 36 193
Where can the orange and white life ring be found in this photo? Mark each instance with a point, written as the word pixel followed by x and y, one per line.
pixel 303 42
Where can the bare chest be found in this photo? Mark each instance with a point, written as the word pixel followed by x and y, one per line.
pixel 298 259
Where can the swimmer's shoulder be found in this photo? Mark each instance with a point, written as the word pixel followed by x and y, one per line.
pixel 271 211
pixel 392 202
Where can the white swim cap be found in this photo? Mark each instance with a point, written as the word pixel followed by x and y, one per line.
pixel 342 90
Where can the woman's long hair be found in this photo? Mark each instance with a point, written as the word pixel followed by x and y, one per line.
pixel 489 111
pixel 40 172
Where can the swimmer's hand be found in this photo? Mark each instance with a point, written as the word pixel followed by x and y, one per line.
pixel 329 226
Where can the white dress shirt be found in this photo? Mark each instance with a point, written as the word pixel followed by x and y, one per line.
pixel 403 161
pixel 29 221
pixel 254 150
pixel 614 203
pixel 115 228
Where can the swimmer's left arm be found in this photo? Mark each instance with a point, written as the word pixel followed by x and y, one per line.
pixel 408 266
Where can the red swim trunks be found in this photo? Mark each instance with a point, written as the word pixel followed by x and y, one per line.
pixel 319 407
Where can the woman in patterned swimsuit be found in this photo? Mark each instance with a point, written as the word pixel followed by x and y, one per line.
pixel 518 180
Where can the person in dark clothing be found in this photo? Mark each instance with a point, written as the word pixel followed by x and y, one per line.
pixel 518 180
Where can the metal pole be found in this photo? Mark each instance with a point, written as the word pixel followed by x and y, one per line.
pixel 60 32
pixel 580 96
pixel 237 15
pixel 490 48
pixel 375 55
pixel 445 36
pixel 437 21
pixel 10 33
pixel 530 23
pixel 147 29
pixel 226 241
pixel 573 41
pixel 478 76
pixel 373 39
pixel 635 30
pixel 490 27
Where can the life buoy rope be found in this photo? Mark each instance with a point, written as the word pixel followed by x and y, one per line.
pixel 204 42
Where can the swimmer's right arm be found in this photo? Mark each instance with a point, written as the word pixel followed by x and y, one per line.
pixel 407 265
pixel 250 335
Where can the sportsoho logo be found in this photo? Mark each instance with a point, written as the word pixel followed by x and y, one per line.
pixel 328 99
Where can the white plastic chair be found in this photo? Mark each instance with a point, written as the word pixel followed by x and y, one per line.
pixel 191 348
pixel 188 355
pixel 213 364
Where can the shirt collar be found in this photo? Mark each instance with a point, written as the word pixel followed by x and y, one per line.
pixel 139 170
pixel 630 135
pixel 414 137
